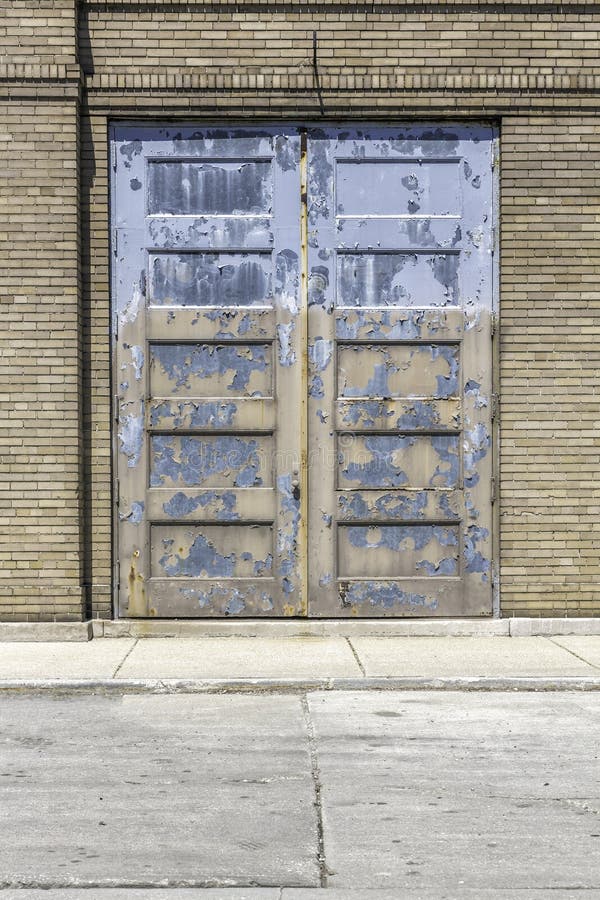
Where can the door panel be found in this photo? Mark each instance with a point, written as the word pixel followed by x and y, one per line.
pixel 273 333
pixel 207 283
pixel 400 303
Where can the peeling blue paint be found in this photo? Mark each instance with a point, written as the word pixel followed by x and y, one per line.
pixel 197 187
pixel 287 532
pixel 381 326
pixel 228 601
pixel 202 559
pixel 263 565
pixel 211 279
pixel 387 506
pixel 135 515
pixel 474 560
pixel 181 361
pixel 365 412
pixel 287 355
pixel 131 437
pixel 400 537
pixel 192 460
pixel 380 471
pixel 129 305
pixel 287 280
pixel 287 153
pixel 387 595
pixel 473 388
pixel 137 357
pixel 397 279
pixel 447 508
pixel 477 442
pixel 315 388
pixel 235 606
pixel 320 352
pixel 420 414
pixel 221 504
pixel 218 414
pixel 447 566
pixel 395 364
pixel 447 385
pixel 446 448
pixel 320 174
pixel 318 285
pixel 129 150
pixel 376 386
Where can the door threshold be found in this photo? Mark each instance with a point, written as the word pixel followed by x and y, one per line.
pixel 279 628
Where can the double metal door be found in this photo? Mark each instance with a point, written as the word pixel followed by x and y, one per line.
pixel 302 335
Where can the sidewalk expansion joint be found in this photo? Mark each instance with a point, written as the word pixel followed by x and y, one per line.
pixel 126 657
pixel 316 777
pixel 553 640
pixel 356 656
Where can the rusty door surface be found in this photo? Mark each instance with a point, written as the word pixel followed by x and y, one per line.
pixel 206 328
pixel 302 348
pixel 400 353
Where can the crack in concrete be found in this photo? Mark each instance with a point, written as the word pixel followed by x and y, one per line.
pixel 316 777
pixel 356 656
pixel 572 652
pixel 125 658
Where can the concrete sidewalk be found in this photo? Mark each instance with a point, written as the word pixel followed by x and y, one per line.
pixel 305 663
pixel 312 796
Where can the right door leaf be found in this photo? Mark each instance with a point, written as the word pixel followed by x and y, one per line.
pixel 400 371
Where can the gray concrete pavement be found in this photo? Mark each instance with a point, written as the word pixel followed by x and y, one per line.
pixel 472 656
pixel 240 658
pixel 53 659
pixel 140 790
pixel 353 796
pixel 485 791
pixel 302 658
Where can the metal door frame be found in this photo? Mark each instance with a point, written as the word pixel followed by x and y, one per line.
pixel 302 126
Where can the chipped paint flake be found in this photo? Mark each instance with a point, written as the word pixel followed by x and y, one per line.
pixel 131 437
pixel 287 354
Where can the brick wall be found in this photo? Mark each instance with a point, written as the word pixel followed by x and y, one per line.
pixel 39 363
pixel 40 559
pixel 550 366
pixel 530 66
pixel 475 39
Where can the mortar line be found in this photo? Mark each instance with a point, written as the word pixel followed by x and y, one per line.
pixel 125 658
pixel 316 778
pixel 356 657
pixel 572 652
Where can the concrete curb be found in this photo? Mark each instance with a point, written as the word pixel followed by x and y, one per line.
pixel 297 685
pixel 144 628
pixel 46 631
pixel 301 628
